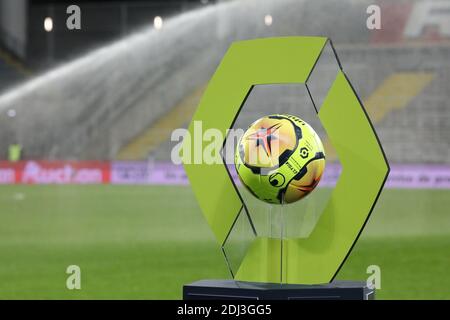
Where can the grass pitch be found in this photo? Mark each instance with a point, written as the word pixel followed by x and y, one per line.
pixel 145 242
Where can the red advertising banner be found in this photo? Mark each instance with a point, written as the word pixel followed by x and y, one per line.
pixel 55 172
pixel 403 176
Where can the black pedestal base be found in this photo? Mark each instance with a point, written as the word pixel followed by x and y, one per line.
pixel 230 289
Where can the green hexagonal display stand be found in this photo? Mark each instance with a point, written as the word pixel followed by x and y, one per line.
pixel 317 258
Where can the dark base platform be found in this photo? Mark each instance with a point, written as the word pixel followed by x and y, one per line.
pixel 230 289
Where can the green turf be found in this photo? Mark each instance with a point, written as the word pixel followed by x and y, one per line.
pixel 146 242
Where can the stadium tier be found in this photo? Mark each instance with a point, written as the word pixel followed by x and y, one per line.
pixel 123 100
pixel 11 71
pixel 403 101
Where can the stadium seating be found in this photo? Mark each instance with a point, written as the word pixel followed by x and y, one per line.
pixel 414 98
pixel 11 71
pixel 122 101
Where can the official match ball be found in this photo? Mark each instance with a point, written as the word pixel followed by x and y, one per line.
pixel 280 159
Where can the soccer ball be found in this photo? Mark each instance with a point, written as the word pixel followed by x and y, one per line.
pixel 280 159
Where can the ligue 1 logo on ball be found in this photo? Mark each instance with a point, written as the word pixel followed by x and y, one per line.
pixel 273 159
pixel 279 160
